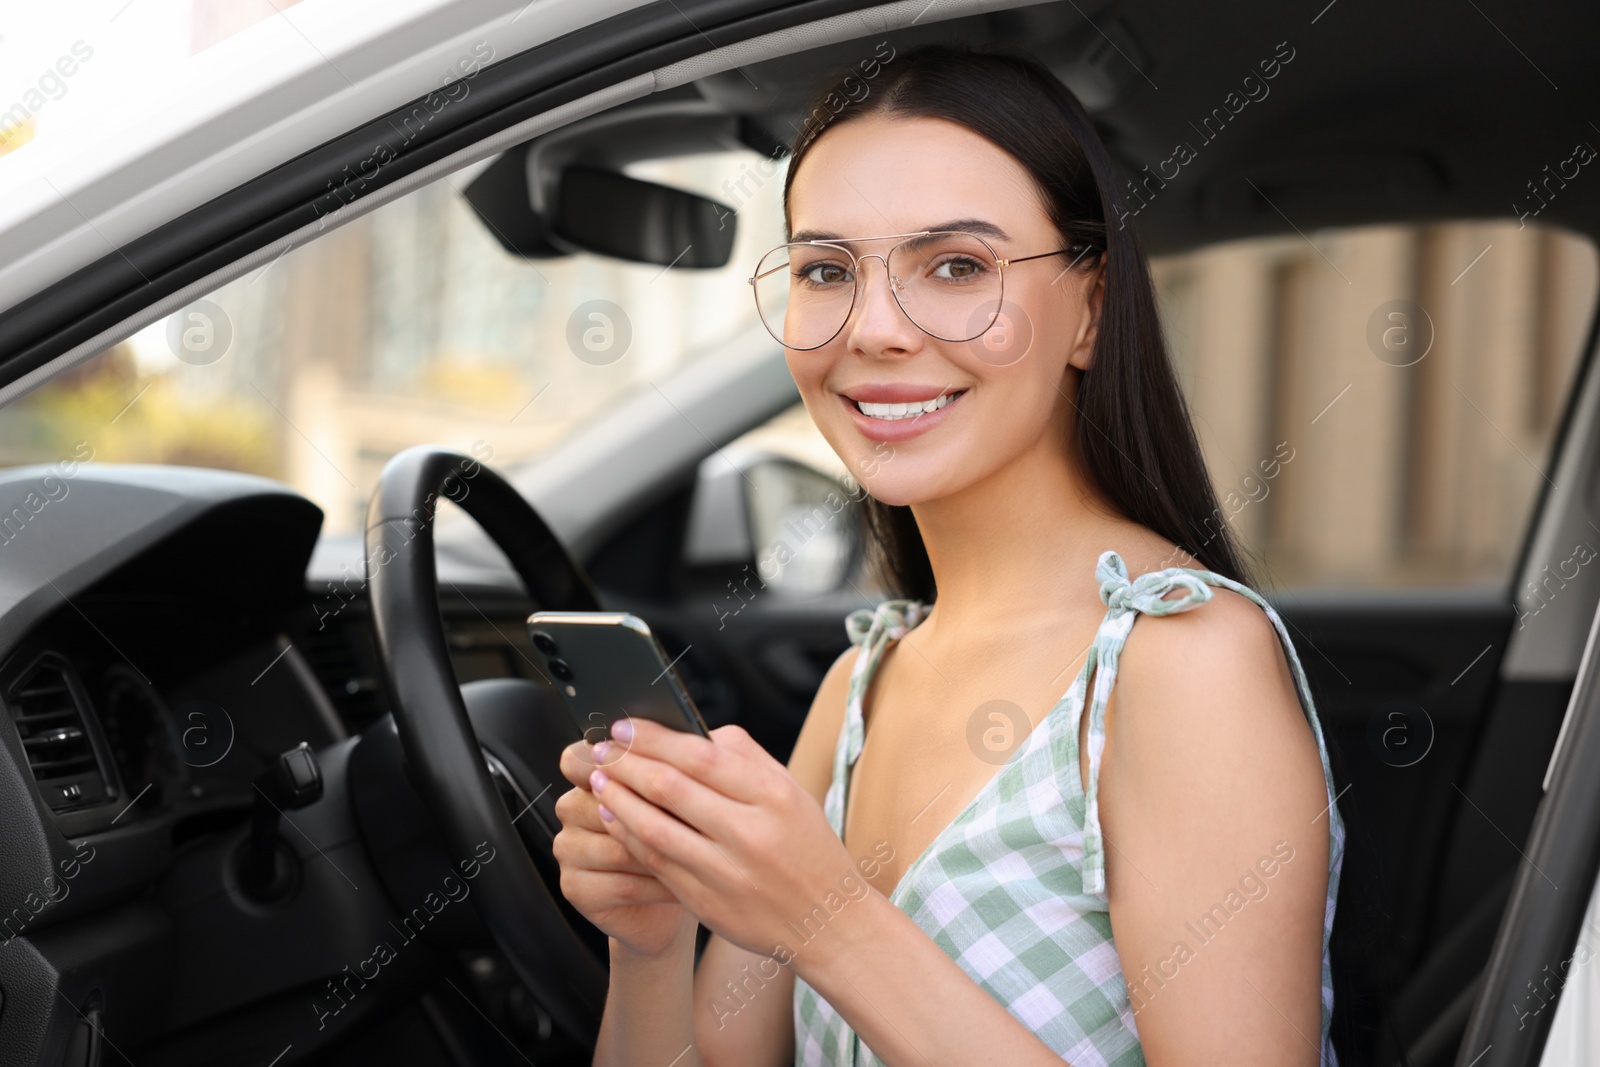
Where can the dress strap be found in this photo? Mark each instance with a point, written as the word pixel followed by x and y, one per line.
pixel 1125 600
pixel 870 630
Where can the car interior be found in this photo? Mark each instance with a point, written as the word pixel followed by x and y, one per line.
pixel 222 689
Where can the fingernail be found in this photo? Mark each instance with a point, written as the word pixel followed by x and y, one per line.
pixel 605 813
pixel 622 730
pixel 601 749
pixel 598 780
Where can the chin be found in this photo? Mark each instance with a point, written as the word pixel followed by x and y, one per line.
pixel 902 488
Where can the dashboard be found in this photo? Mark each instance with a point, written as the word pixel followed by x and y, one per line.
pixel 164 634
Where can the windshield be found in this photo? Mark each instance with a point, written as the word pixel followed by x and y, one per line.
pixel 410 325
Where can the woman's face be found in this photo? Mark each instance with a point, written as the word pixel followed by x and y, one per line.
pixel 1007 389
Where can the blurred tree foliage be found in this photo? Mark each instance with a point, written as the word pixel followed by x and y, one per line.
pixel 95 402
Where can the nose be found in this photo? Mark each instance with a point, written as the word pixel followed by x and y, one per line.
pixel 878 321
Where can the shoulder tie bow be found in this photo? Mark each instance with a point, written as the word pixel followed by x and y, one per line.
pixel 897 617
pixel 1147 593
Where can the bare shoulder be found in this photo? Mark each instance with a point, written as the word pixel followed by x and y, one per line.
pixel 1225 652
pixel 811 762
pixel 1206 698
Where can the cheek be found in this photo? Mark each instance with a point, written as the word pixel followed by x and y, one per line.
pixel 809 373
pixel 1021 360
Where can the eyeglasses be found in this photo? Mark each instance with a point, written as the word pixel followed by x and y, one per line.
pixel 949 283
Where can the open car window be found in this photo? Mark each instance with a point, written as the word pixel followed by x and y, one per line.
pixel 410 325
pixel 1378 404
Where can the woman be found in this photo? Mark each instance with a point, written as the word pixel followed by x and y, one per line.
pixel 995 871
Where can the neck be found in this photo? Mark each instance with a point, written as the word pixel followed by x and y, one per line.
pixel 1028 534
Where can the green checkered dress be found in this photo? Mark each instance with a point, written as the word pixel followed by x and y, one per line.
pixel 1014 888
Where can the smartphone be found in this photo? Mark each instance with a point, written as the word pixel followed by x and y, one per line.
pixel 607 666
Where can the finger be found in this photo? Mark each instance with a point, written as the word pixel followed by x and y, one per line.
pixel 737 739
pixel 579 809
pixel 669 849
pixel 705 809
pixel 577 762
pixel 595 850
pixel 720 767
pixel 601 890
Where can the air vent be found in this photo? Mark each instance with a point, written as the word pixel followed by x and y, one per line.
pixel 334 659
pixel 51 717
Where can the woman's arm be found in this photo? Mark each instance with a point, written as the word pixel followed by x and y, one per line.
pixel 736 1008
pixel 1215 813
pixel 744 1001
pixel 648 1007
pixel 651 935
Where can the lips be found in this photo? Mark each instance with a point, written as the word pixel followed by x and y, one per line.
pixel 899 411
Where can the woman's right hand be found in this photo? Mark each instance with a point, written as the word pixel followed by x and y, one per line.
pixel 602 879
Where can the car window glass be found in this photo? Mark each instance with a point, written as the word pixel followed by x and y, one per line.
pixel 409 325
pixel 1377 404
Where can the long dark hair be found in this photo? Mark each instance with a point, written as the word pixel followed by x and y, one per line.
pixel 1133 431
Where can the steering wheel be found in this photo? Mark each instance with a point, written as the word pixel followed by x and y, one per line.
pixel 448 765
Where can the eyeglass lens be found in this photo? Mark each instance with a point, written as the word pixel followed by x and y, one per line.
pixel 947 283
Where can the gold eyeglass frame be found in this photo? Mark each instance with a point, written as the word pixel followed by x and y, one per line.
pixel 1001 264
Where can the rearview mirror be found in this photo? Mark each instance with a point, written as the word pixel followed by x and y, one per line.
pixel 592 209
pixel 615 215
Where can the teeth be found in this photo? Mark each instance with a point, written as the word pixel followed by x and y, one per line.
pixel 907 411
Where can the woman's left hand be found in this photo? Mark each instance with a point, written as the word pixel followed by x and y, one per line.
pixel 726 828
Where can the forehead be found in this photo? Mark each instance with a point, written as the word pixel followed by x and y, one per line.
pixel 880 175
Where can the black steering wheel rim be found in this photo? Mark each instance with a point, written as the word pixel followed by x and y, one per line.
pixel 430 715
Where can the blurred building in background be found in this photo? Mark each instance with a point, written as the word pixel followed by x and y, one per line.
pixel 1415 374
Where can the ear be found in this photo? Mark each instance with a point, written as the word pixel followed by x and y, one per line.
pixel 1082 352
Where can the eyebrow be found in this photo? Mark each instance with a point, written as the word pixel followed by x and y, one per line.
pixel 978 226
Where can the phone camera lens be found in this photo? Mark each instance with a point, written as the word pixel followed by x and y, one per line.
pixel 559 668
pixel 545 643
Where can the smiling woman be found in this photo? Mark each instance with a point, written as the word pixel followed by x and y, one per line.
pixel 1009 356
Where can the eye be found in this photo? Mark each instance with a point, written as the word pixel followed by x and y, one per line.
pixel 960 269
pixel 823 274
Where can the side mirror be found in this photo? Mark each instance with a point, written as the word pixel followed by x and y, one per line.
pixel 592 209
pixel 795 527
